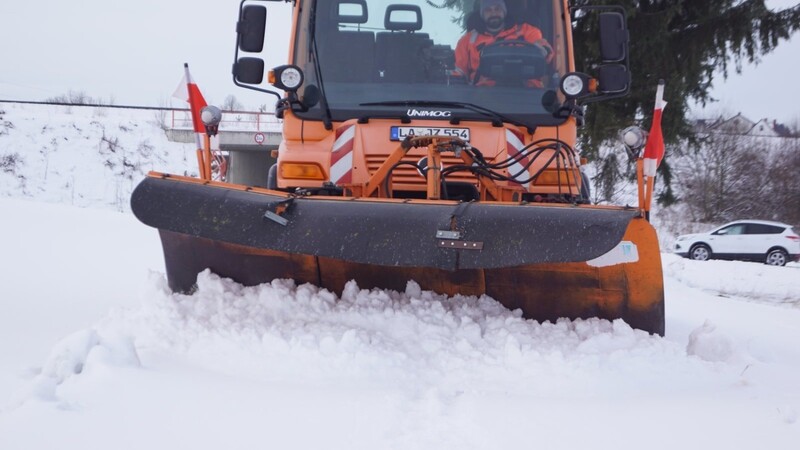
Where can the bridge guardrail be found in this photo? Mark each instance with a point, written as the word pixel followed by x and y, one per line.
pixel 231 121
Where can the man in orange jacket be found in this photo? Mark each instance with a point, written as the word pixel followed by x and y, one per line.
pixel 493 29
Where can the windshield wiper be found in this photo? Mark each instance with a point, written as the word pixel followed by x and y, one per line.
pixel 327 120
pixel 486 112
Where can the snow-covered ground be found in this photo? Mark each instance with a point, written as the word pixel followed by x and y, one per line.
pixel 96 353
pixel 82 156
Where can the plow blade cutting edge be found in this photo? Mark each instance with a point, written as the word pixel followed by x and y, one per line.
pixel 532 257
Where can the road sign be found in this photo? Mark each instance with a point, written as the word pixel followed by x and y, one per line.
pixel 259 138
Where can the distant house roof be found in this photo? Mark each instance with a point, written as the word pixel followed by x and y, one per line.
pixel 763 128
pixel 781 129
pixel 737 124
pixel 741 125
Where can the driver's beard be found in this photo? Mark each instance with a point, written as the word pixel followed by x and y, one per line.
pixel 494 25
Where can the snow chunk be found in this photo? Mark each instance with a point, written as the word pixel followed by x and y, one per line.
pixel 788 414
pixel 710 345
pixel 69 356
pixel 76 354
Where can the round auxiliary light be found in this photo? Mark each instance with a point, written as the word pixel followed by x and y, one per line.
pixel 292 78
pixel 288 78
pixel 572 85
pixel 634 137
pixel 211 115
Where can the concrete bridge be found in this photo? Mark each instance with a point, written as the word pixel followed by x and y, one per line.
pixel 248 137
pixel 238 130
pixel 234 140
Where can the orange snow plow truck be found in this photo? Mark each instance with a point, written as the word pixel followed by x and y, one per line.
pixel 422 140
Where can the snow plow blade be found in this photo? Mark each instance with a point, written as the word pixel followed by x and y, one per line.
pixel 549 261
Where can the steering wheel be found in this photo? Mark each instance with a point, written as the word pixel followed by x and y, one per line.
pixel 512 62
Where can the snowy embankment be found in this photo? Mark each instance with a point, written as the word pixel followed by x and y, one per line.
pixel 84 156
pixel 96 353
pixel 745 281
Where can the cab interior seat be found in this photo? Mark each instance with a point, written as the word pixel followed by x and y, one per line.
pixel 401 51
pixel 347 54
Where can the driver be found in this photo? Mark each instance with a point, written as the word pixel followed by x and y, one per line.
pixel 493 27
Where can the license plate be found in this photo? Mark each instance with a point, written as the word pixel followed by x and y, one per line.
pixel 400 133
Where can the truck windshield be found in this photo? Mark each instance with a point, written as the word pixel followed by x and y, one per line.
pixel 369 56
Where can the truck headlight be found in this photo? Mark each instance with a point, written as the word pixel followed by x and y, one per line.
pixel 288 78
pixel 576 85
pixel 572 85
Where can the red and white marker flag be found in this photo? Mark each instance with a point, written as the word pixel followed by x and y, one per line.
pixel 654 148
pixel 188 91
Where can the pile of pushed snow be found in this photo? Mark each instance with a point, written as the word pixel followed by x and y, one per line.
pixel 756 281
pixel 412 341
pixel 82 352
pixel 83 156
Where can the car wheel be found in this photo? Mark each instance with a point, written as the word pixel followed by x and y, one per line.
pixel 776 257
pixel 700 253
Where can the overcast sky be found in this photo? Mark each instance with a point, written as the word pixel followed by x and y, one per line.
pixel 133 53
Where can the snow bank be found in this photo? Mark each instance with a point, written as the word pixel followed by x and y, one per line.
pixel 414 368
pixel 287 366
pixel 748 281
pixel 83 156
pixel 417 339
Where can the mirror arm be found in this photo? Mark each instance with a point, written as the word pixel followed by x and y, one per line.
pixel 570 108
pixel 601 97
pixel 237 83
pixel 616 8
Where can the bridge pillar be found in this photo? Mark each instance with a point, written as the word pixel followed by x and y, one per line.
pixel 249 165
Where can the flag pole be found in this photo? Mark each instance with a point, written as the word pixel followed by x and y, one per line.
pixel 200 165
pixel 654 149
pixel 640 181
pixel 207 155
pixel 196 103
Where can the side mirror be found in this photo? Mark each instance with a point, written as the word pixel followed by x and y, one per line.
pixel 550 101
pixel 613 37
pixel 613 73
pixel 613 79
pixel 251 27
pixel 249 70
pixel 311 96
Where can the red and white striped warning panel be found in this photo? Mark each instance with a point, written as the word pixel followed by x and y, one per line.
pixel 342 155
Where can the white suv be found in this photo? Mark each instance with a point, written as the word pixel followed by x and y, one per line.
pixel 773 243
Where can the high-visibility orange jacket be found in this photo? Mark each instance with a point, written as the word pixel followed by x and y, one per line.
pixel 468 49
